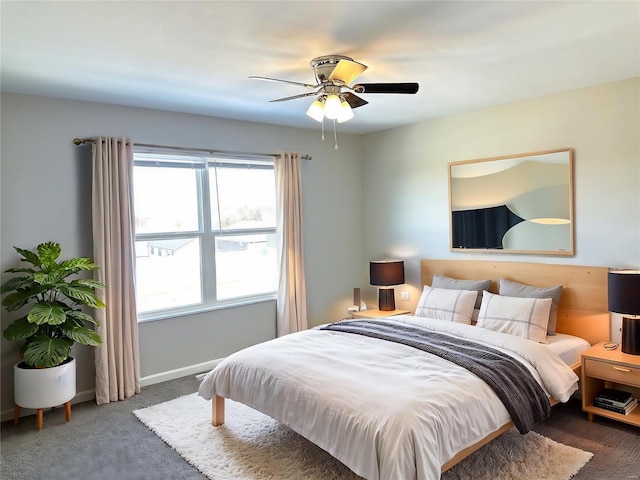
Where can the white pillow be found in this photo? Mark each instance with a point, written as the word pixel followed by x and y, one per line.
pixel 515 289
pixel 441 281
pixel 446 304
pixel 524 317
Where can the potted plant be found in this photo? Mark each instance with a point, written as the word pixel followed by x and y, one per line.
pixel 53 322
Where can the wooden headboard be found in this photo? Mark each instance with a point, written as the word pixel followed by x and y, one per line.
pixel 582 310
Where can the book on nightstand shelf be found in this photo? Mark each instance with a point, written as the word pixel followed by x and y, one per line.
pixel 619 396
pixel 616 401
pixel 622 410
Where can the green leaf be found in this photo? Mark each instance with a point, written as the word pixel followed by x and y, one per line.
pixel 80 263
pixel 20 270
pixel 20 329
pixel 15 283
pixel 19 299
pixel 47 352
pixel 89 283
pixel 47 313
pixel 49 278
pixel 81 317
pixel 81 294
pixel 49 252
pixel 84 335
pixel 29 256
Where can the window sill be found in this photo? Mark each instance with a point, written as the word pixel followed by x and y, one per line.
pixel 154 316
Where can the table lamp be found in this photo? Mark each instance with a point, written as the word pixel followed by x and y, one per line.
pixel 384 274
pixel 624 298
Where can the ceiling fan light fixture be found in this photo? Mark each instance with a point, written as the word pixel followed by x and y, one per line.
pixel 335 96
pixel 346 112
pixel 316 109
pixel 332 107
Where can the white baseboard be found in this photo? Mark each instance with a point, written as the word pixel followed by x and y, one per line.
pixel 179 373
pixel 90 395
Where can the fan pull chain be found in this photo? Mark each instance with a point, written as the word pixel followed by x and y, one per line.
pixel 322 127
pixel 335 136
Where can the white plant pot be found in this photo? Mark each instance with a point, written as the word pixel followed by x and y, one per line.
pixel 38 388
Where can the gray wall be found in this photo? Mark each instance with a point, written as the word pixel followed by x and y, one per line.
pixel 46 196
pixel 405 174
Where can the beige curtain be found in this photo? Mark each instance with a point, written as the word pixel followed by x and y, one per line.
pixel 291 303
pixel 117 359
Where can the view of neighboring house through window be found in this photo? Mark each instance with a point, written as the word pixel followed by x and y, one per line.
pixel 205 230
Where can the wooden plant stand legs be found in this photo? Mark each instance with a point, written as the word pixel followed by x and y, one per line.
pixel 40 412
pixel 16 415
pixel 67 411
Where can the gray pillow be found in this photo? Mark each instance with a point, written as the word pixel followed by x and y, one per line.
pixel 440 281
pixel 515 289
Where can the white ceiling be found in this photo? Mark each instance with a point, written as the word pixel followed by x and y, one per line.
pixel 196 57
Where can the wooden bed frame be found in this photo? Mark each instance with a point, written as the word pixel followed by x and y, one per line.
pixel 582 310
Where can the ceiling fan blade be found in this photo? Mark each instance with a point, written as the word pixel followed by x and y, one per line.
pixel 285 81
pixel 354 101
pixel 347 71
pixel 386 88
pixel 302 95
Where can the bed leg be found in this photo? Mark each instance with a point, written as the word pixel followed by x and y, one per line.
pixel 217 411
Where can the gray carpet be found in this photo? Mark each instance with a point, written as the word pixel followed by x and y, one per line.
pixel 108 442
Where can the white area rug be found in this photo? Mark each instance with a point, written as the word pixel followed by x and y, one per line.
pixel 252 446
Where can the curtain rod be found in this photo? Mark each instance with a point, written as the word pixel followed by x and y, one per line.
pixel 82 141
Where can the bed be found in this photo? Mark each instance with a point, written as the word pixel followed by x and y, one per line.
pixel 397 409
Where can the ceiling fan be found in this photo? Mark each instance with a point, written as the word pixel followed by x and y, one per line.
pixel 335 96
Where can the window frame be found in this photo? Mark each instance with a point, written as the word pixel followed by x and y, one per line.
pixel 201 162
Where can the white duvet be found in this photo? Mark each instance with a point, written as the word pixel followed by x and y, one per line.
pixel 387 411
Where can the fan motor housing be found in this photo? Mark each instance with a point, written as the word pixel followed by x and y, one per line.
pixel 323 66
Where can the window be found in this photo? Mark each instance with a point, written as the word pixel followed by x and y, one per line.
pixel 205 230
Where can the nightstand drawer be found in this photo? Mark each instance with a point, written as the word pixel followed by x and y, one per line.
pixel 613 372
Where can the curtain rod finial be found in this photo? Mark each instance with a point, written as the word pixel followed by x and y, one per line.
pixel 78 141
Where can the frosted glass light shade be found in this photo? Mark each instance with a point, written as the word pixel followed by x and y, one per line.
pixel 332 107
pixel 346 113
pixel 316 111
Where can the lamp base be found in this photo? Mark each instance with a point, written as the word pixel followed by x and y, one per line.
pixel 386 300
pixel 631 335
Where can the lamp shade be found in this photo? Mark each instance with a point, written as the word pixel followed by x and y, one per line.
pixel 332 107
pixel 385 273
pixel 624 291
pixel 624 298
pixel 316 110
pixel 346 113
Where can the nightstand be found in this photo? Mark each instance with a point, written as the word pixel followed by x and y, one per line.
pixel 379 313
pixel 602 368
